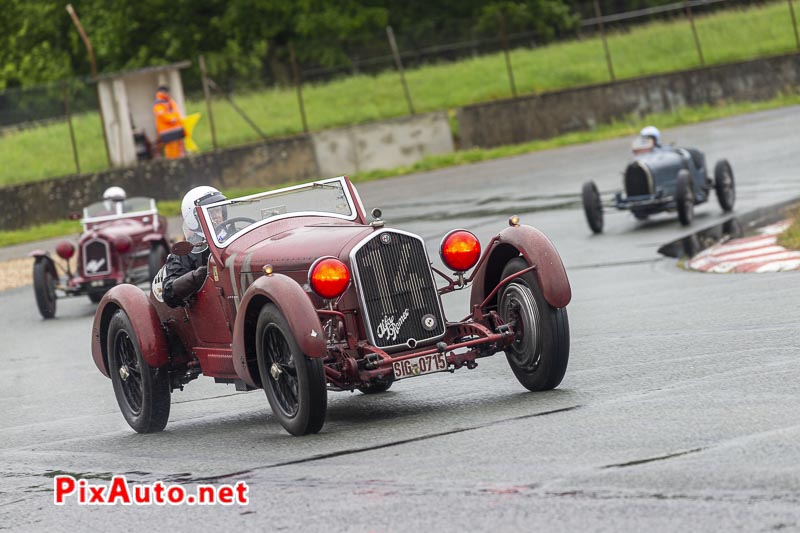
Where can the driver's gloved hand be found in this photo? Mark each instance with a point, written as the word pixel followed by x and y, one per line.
pixel 189 283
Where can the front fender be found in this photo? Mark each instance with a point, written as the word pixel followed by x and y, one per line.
pixel 149 333
pixel 38 253
pixel 537 250
pixel 293 303
pixel 41 255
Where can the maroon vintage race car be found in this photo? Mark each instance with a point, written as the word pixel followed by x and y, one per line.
pixel 305 295
pixel 123 241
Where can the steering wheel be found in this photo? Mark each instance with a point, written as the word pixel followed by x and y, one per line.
pixel 231 222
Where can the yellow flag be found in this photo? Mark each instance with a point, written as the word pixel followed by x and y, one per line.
pixel 189 122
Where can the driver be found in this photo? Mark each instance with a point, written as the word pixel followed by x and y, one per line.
pixel 184 275
pixel 649 139
pixel 653 133
pixel 113 199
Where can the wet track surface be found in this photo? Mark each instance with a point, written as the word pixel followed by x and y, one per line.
pixel 680 407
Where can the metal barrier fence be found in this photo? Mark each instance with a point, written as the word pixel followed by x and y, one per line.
pixel 405 51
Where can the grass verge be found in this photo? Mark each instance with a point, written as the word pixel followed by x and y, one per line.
pixel 680 117
pixel 791 237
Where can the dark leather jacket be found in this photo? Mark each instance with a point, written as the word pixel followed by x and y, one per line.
pixel 184 275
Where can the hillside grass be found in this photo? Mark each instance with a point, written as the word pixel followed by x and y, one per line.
pixel 607 131
pixel 658 47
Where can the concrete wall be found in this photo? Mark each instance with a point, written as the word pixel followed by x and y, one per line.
pixel 550 114
pixel 386 144
pixel 253 165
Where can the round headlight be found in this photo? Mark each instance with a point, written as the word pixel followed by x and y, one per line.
pixel 460 250
pixel 65 250
pixel 328 277
pixel 122 244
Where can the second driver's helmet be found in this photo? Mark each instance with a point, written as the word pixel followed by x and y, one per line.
pixel 113 197
pixel 202 195
pixel 651 131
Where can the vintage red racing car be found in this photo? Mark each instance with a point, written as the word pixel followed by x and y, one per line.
pixel 123 240
pixel 304 294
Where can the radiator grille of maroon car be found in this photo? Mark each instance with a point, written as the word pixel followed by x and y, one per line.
pixel 96 258
pixel 394 278
pixel 637 182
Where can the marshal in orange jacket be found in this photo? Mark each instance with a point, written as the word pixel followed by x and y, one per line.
pixel 169 125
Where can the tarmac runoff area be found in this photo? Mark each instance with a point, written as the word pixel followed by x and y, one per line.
pixel 757 254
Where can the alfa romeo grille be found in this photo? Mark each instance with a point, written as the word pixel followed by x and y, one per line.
pixel 637 182
pixel 96 259
pixel 395 283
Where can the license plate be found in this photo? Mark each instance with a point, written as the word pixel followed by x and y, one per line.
pixel 417 366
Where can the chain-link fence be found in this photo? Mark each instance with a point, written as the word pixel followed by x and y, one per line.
pixel 418 68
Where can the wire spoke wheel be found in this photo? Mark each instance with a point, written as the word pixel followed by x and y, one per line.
pixel 130 374
pixel 293 383
pixel 142 392
pixel 282 370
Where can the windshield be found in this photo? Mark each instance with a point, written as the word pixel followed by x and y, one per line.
pixel 109 209
pixel 321 198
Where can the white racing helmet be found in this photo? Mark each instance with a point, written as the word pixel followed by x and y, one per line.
pixel 113 198
pixel 651 131
pixel 202 195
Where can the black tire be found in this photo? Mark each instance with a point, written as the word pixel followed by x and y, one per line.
pixel 684 197
pixel 143 393
pixel 44 287
pixel 294 384
pixel 540 352
pixel 593 207
pixel 156 259
pixel 724 185
pixel 376 387
pixel 95 297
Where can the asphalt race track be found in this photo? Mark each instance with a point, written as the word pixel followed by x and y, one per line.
pixel 680 409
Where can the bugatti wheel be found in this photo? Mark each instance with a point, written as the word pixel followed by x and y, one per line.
pixel 684 198
pixel 143 393
pixel 539 353
pixel 294 384
pixel 593 207
pixel 44 287
pixel 724 185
